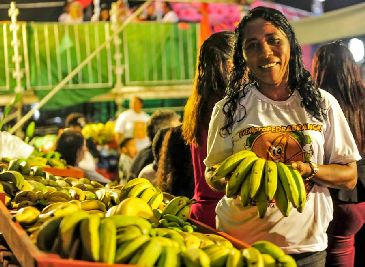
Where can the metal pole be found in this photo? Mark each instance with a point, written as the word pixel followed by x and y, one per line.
pixel 78 68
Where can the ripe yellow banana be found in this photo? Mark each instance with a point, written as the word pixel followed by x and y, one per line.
pixel 252 257
pixel 127 249
pixel 217 254
pixel 156 200
pixel 234 258
pixel 267 247
pixel 301 188
pixel 150 254
pixel 281 200
pixel 194 257
pixel 108 244
pixel 94 204
pixel 288 183
pixel 241 172
pixel 138 189
pixel 191 241
pixel 67 229
pixel 128 233
pixel 131 183
pixel 148 194
pixel 126 220
pixel 27 215
pixel 184 213
pixel 229 164
pixel 269 261
pixel 169 257
pixel 89 233
pixel 219 240
pixel 256 176
pixel 271 179
pixel 286 261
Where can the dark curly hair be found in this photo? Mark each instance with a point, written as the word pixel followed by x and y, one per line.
pixel 299 78
pixel 335 70
pixel 211 80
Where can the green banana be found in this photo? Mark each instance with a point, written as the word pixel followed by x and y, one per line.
pixel 301 188
pixel 108 244
pixel 127 220
pixel 195 257
pixel 27 215
pixel 128 233
pixel 234 258
pixel 89 233
pixel 150 254
pixel 204 240
pixel 288 183
pixel 173 218
pixel 281 200
pixel 176 204
pixel 14 164
pixel 67 229
pixel 268 260
pixel 217 254
pixel 234 183
pixel 267 247
pixel 230 163
pixel 48 233
pixel 271 179
pixel 170 233
pixel 256 176
pixel 245 192
pixel 286 261
pixel 9 188
pixel 169 257
pixel 184 213
pixel 261 201
pixel 252 257
pixel 25 195
pixel 127 249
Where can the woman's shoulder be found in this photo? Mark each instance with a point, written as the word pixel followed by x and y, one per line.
pixel 328 98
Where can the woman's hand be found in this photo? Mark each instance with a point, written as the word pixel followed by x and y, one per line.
pixel 341 176
pixel 216 185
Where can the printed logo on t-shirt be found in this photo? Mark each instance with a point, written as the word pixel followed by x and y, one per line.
pixel 281 143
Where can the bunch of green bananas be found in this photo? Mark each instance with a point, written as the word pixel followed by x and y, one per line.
pixel 258 181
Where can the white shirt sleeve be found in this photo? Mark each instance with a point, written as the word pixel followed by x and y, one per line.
pixel 340 146
pixel 218 147
pixel 120 123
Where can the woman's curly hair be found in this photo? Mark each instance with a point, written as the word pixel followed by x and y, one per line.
pixel 299 78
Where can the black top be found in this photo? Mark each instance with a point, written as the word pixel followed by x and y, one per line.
pixel 143 158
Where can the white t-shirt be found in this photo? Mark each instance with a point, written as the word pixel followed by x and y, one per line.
pixel 282 131
pixel 133 124
pixel 170 17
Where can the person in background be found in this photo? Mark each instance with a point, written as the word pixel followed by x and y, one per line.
pixel 160 119
pixel 211 80
pixel 132 123
pixel 274 109
pixel 72 147
pixel 128 151
pixel 335 71
pixel 175 173
pixel 168 14
pixel 149 14
pixel 150 170
pixel 73 13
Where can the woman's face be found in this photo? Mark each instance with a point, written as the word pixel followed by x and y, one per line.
pixel 266 50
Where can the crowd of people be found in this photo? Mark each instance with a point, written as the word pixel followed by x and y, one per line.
pixel 248 82
pixel 75 12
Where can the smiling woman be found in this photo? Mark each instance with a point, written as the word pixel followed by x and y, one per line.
pixel 274 109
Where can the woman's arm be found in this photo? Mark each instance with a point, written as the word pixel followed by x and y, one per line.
pixel 340 176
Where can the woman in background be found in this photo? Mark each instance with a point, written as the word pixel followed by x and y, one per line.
pixel 335 71
pixel 211 80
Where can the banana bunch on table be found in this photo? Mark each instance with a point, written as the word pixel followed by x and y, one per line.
pixel 258 181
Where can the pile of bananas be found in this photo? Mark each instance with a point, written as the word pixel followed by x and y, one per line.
pixel 51 158
pixel 259 181
pixel 101 133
